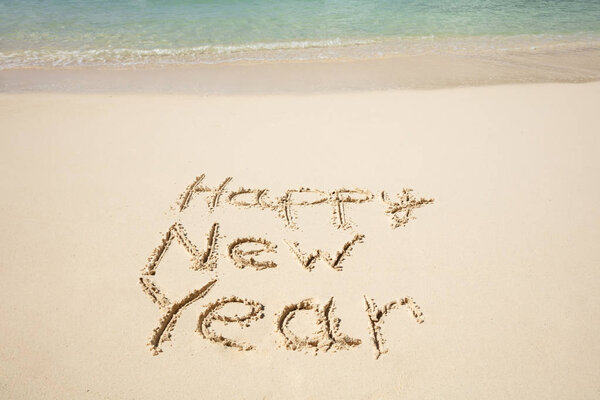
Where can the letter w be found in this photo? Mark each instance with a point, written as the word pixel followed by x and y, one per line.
pixel 308 260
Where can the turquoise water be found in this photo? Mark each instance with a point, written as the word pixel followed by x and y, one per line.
pixel 96 32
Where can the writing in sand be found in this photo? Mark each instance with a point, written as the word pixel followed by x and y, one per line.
pixel 253 253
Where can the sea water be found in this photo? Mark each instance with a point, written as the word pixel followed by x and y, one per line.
pixel 133 32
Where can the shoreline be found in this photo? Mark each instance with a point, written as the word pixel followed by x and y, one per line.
pixel 427 71
pixel 299 50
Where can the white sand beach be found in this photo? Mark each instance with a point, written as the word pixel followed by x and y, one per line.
pixel 493 288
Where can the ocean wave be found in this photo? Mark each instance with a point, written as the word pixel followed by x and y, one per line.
pixel 294 50
pixel 188 55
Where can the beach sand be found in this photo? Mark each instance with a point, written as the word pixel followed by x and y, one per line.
pixel 423 71
pixel 494 287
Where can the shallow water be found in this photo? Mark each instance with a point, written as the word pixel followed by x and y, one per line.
pixel 115 32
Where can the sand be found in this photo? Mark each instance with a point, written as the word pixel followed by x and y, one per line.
pixel 392 244
pixel 423 71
